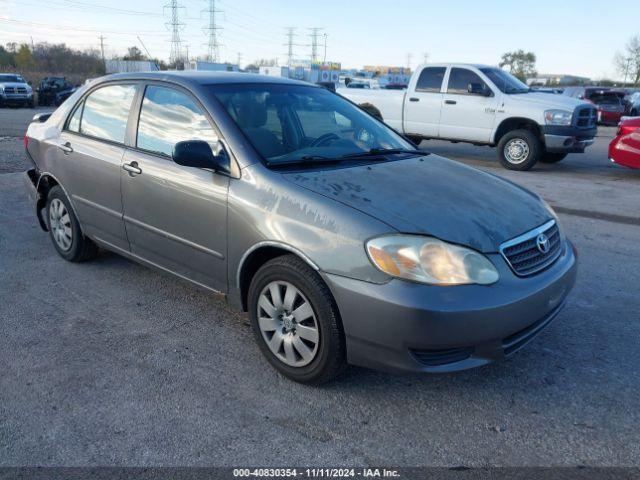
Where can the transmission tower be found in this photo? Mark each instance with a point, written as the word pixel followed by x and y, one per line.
pixel 290 44
pixel 213 46
pixel 176 53
pixel 315 34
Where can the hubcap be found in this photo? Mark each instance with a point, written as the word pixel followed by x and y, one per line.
pixel 60 224
pixel 288 324
pixel 516 150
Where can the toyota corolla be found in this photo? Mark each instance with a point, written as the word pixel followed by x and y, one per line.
pixel 345 243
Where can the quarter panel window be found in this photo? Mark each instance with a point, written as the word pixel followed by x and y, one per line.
pixel 106 112
pixel 459 81
pixel 74 121
pixel 430 79
pixel 168 117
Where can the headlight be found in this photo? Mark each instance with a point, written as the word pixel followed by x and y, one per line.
pixel 558 117
pixel 429 260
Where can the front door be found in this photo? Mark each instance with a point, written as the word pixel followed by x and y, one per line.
pixel 176 216
pixel 423 103
pixel 467 116
pixel 89 159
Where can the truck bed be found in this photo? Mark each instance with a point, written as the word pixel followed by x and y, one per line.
pixel 388 102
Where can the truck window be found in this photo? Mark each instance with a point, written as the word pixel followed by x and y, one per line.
pixel 430 79
pixel 459 80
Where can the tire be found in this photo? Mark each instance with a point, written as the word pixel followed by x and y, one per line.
pixel 523 142
pixel 319 362
pixel 552 157
pixel 414 139
pixel 64 229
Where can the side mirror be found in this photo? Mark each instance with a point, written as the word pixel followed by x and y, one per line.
pixel 198 154
pixel 479 89
pixel 41 117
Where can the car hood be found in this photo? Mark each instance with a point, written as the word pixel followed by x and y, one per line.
pixel 549 100
pixel 433 196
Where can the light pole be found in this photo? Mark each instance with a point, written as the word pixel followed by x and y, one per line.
pixel 325 49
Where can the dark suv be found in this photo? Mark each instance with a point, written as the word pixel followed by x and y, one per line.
pixel 607 100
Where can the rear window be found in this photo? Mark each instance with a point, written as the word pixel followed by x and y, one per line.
pixel 430 79
pixel 605 99
pixel 106 112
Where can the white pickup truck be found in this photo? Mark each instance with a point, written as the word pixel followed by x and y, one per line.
pixel 485 106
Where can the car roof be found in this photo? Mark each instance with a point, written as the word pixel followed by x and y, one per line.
pixel 193 77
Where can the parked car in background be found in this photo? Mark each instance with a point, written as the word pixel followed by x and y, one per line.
pixel 344 242
pixel 625 148
pixel 485 106
pixel 557 91
pixel 634 104
pixel 53 91
pixel 608 101
pixel 15 91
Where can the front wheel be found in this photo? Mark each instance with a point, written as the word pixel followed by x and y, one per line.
pixel 519 150
pixel 552 157
pixel 296 321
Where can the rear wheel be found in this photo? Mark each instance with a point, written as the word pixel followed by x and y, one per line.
pixel 296 321
pixel 552 157
pixel 64 229
pixel 519 150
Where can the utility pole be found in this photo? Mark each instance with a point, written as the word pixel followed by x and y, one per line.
pixel 291 33
pixel 315 33
pixel 213 46
pixel 239 59
pixel 409 57
pixel 425 57
pixel 175 55
pixel 325 49
pixel 104 63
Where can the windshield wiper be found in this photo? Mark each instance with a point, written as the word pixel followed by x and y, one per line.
pixel 305 160
pixel 377 152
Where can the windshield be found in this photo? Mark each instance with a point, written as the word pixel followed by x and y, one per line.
pixel 11 78
pixel 287 123
pixel 606 99
pixel 506 82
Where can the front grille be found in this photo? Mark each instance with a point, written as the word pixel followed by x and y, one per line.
pixel 15 90
pixel 526 255
pixel 587 117
pixel 436 358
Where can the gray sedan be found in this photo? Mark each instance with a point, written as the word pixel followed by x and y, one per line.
pixel 344 242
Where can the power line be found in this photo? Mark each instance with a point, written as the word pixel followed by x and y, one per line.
pixel 213 47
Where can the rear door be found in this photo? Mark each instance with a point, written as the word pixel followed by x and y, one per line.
pixel 88 161
pixel 467 116
pixel 423 103
pixel 176 216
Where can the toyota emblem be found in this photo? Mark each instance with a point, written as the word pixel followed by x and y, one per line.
pixel 542 242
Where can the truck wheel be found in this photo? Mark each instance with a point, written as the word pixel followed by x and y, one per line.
pixel 519 150
pixel 296 321
pixel 414 139
pixel 552 157
pixel 64 229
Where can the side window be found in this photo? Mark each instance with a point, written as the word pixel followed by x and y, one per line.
pixel 74 121
pixel 168 117
pixel 106 112
pixel 459 81
pixel 430 79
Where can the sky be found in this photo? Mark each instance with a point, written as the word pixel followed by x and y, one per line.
pixel 568 36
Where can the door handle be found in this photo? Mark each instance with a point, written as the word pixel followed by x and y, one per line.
pixel 66 147
pixel 132 168
pixel 450 102
pixel 414 99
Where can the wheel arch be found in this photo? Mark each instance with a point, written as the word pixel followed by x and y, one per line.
pixel 371 110
pixel 46 182
pixel 258 255
pixel 517 123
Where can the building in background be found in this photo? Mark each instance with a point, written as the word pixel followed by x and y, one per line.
pixel 561 80
pixel 128 66
pixel 210 66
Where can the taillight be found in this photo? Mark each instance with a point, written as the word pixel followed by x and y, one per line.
pixel 26 142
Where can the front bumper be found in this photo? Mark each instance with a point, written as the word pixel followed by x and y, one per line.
pixel 404 326
pixel 16 99
pixel 567 139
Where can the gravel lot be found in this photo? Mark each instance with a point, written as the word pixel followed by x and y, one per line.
pixel 110 363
